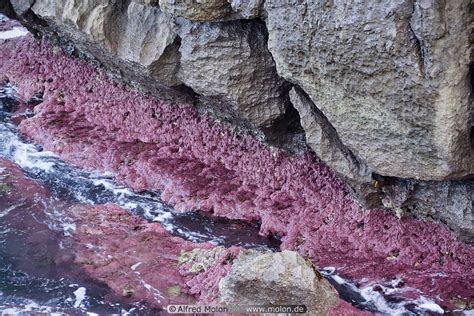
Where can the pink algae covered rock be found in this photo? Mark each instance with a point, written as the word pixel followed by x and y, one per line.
pixel 198 164
pixel 7 25
pixel 215 264
pixel 135 258
pixel 142 261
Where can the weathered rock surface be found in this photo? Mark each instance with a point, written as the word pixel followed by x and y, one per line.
pixel 135 42
pixel 230 61
pixel 227 64
pixel 276 278
pixel 247 9
pixel 450 202
pixel 324 140
pixel 199 11
pixel 213 10
pixel 391 77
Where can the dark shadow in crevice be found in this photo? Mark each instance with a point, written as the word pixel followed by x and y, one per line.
pixel 286 132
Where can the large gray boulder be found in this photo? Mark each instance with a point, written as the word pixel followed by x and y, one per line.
pixel 391 77
pixel 276 278
pixel 230 62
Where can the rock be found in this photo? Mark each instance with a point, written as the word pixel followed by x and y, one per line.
pixel 212 10
pixel 21 6
pixel 276 278
pixel 149 39
pixel 392 78
pixel 450 202
pixel 247 9
pixel 200 259
pixel 197 10
pixel 135 41
pixel 324 140
pixel 230 62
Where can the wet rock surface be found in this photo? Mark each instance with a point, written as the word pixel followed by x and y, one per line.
pixel 276 278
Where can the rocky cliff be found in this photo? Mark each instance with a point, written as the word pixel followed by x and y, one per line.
pixel 381 91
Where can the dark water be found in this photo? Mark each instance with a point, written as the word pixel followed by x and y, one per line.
pixel 34 234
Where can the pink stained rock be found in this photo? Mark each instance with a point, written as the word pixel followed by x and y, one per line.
pixel 196 163
pixel 137 259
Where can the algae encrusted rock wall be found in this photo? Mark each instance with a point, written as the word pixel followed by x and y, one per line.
pixel 382 90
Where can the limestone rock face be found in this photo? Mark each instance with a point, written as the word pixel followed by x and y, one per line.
pixel 134 41
pixel 450 202
pixel 212 10
pixel 247 9
pixel 324 140
pixel 391 77
pixel 276 278
pixel 140 34
pixel 197 10
pixel 21 6
pixel 230 61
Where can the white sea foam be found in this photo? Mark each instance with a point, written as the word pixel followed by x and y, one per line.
pixel 17 31
pixel 80 294
pixel 376 298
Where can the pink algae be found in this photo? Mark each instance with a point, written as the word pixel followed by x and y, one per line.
pixel 140 260
pixel 197 163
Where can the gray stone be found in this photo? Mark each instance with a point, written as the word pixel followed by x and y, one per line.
pixel 276 278
pixel 247 9
pixel 323 139
pixel 391 77
pixel 449 202
pixel 134 41
pixel 197 10
pixel 21 6
pixel 229 61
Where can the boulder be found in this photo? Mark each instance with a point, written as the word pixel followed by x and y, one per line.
pixel 391 77
pixel 277 278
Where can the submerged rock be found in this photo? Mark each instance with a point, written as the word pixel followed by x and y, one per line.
pixel 277 278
